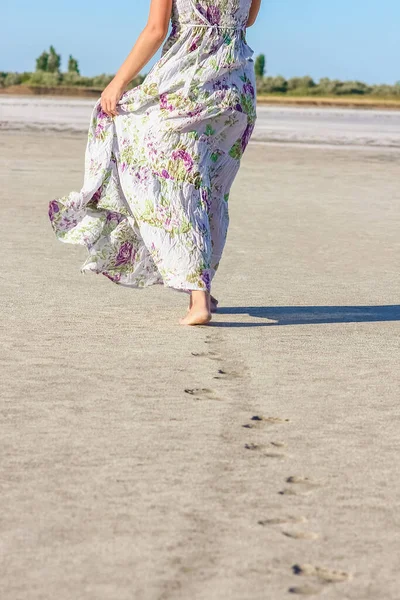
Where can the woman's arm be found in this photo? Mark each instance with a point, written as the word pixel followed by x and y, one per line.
pixel 146 46
pixel 254 10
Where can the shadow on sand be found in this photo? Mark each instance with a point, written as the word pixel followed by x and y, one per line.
pixel 306 315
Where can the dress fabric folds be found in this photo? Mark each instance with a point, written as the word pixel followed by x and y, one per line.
pixel 154 203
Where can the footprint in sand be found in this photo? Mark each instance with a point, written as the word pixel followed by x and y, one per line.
pixel 279 444
pixel 305 590
pixel 299 479
pixel 285 520
pixel 258 421
pixel 323 574
pixel 301 535
pixel 291 520
pixel 293 492
pixel 272 454
pixel 201 393
pixel 252 446
pixel 225 375
pixel 268 454
pixel 209 355
pixel 303 486
pixel 273 420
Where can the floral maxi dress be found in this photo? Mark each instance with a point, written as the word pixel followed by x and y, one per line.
pixel 154 202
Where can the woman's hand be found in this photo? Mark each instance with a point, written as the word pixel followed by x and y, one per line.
pixel 111 96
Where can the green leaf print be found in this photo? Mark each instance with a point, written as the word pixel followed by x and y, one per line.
pixel 127 155
pixel 151 89
pixel 236 150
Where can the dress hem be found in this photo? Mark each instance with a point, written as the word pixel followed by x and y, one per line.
pixel 176 288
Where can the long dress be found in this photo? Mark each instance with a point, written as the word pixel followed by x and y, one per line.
pixel 154 203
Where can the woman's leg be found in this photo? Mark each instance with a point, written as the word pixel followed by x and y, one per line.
pixel 213 303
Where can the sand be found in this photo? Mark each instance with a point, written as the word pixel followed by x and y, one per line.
pixel 283 124
pixel 253 459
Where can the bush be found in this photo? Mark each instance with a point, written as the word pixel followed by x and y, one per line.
pixel 72 78
pixel 303 83
pixel 45 79
pixel 385 90
pixel 353 87
pixel 328 86
pixel 25 76
pixel 101 81
pixel 12 79
pixel 270 85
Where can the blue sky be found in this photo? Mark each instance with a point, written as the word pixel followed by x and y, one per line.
pixel 343 39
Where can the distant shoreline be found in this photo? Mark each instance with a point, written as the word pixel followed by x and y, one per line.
pixel 331 102
pixel 354 101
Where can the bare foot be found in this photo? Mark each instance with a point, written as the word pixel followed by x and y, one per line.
pixel 199 309
pixel 213 304
pixel 196 316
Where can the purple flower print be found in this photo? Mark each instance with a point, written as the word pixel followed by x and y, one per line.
pixel 248 89
pixel 195 44
pixel 53 209
pixel 164 173
pixel 114 216
pixel 220 85
pixel 102 115
pixel 96 196
pixel 201 9
pixel 247 135
pixel 174 29
pixel 197 111
pixel 99 129
pixel 205 196
pixel 185 157
pixel 213 15
pixel 115 278
pixel 206 279
pixel 238 107
pixel 167 224
pixel 124 254
pixel 164 102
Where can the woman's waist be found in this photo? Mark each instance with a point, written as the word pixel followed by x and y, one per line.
pixel 231 28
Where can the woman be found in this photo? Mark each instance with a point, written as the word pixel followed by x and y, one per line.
pixel 161 158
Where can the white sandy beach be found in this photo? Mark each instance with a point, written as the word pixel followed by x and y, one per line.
pixel 253 459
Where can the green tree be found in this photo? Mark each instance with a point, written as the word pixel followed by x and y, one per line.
pixel 302 83
pixel 42 61
pixel 54 61
pixel 259 65
pixel 73 66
